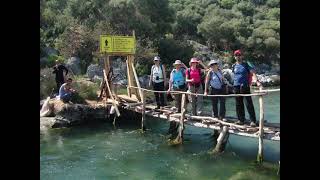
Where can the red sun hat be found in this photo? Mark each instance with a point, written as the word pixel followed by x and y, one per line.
pixel 237 52
pixel 193 60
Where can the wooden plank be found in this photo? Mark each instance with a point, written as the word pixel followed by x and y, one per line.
pixel 128 77
pixel 137 79
pixel 113 101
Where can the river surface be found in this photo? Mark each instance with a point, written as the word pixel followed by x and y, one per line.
pixel 101 151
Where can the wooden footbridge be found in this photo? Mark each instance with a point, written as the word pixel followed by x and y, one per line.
pixel 135 100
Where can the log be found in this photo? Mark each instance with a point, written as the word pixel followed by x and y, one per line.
pixel 222 140
pixel 137 80
pixel 261 124
pixel 143 110
pixel 113 101
pixel 128 77
pixel 179 138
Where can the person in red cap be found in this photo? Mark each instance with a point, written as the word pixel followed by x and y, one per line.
pixel 241 85
pixel 194 79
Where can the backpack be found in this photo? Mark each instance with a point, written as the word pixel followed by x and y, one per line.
pixel 246 66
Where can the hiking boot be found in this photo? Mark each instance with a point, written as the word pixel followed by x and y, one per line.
pixel 239 122
pixel 253 124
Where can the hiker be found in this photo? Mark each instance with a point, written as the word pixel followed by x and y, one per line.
pixel 194 80
pixel 158 80
pixel 241 85
pixel 66 92
pixel 218 86
pixel 177 82
pixel 60 77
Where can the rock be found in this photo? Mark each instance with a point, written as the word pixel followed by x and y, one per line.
pixel 144 81
pixel 73 64
pixel 76 114
pixel 275 79
pixel 94 70
pixel 50 51
pixel 97 79
pixel 43 61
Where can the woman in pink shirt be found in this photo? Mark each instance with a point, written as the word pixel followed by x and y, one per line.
pixel 195 80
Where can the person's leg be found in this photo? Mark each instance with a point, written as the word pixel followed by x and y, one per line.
pixel 178 99
pixel 222 108
pixel 156 87
pixel 199 100
pixel 239 104
pixel 161 88
pixel 58 86
pixel 249 105
pixel 193 101
pixel 66 98
pixel 214 101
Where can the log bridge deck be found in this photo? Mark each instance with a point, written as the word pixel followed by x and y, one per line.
pixel 271 130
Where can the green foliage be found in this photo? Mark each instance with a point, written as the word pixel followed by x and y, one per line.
pixel 86 90
pixel 73 27
pixel 171 49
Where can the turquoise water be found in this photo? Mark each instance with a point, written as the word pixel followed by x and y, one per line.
pixel 100 151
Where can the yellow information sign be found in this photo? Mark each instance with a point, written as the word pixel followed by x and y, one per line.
pixel 117 44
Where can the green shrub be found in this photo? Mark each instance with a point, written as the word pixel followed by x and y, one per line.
pixel 87 90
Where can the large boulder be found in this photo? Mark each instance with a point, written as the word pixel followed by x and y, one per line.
pixel 94 70
pixel 144 81
pixel 50 51
pixel 43 61
pixel 73 64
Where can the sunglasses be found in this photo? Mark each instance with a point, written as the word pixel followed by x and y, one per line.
pixel 237 55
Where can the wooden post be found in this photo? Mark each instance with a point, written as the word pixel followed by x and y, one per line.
pixel 128 77
pixel 137 81
pixel 143 110
pixel 261 124
pixel 222 140
pixel 179 138
pixel 113 101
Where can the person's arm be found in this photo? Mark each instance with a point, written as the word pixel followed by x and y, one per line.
pixel 206 83
pixel 170 81
pixel 254 75
pixel 187 77
pixel 54 69
pixel 183 65
pixel 66 69
pixel 150 77
pixel 204 66
pixel 255 78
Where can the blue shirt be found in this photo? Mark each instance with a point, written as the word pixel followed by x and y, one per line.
pixel 241 74
pixel 62 91
pixel 216 79
pixel 178 77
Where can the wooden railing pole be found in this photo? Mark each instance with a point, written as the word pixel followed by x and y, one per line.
pixel 261 133
pixel 179 138
pixel 111 96
pixel 128 77
pixel 143 98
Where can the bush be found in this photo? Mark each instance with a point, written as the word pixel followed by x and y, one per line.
pixel 87 90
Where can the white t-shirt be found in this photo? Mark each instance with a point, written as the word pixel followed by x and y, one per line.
pixel 157 72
